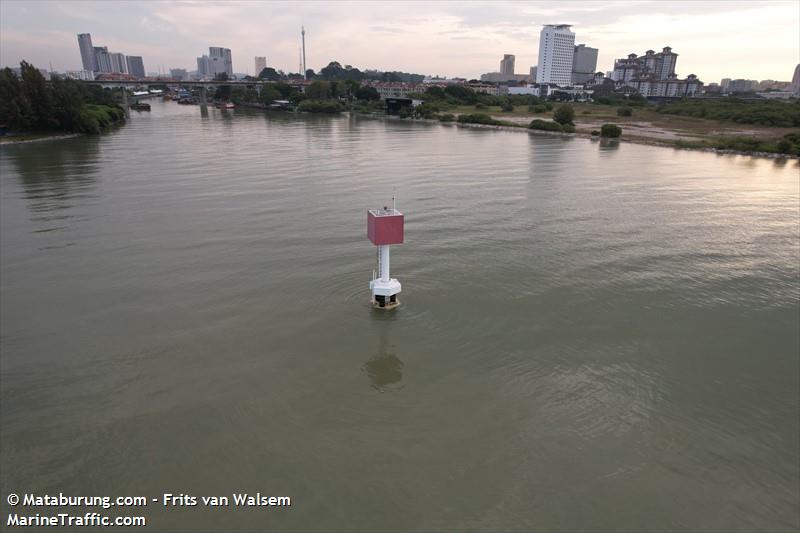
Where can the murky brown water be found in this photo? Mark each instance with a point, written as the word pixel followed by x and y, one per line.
pixel 591 337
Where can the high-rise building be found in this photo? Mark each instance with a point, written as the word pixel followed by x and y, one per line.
pixel 118 63
pixel 135 66
pixel 507 64
pixel 533 73
pixel 179 74
pixel 556 48
pixel 220 59
pixel 584 64
pixel 87 52
pixel 660 66
pixel 742 86
pixel 724 84
pixel 795 87
pixel 204 67
pixel 102 59
pixel 261 64
pixel 653 74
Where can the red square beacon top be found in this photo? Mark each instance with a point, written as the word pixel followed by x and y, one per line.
pixel 385 226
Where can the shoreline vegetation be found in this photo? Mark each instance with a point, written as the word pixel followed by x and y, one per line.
pixel 766 128
pixel 36 110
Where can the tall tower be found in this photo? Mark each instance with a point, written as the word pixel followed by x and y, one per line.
pixel 507 64
pixel 384 228
pixel 303 37
pixel 556 48
pixel 87 52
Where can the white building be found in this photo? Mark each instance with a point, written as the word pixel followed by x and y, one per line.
pixel 220 59
pixel 395 89
pixel 485 88
pixel 556 50
pixel 80 74
pixel 261 64
pixel 669 88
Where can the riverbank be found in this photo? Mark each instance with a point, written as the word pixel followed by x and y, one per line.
pixel 33 138
pixel 521 128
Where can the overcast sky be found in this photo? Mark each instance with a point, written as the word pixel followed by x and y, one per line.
pixel 714 39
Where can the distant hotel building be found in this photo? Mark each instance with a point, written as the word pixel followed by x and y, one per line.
pixel 261 64
pixel 216 62
pixel 507 64
pixel 584 64
pixel 556 50
pixel 506 73
pixel 178 74
pixel 653 74
pixel 742 86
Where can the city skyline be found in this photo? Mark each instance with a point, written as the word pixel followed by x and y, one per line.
pixel 468 37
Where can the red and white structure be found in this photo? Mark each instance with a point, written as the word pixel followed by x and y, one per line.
pixel 384 228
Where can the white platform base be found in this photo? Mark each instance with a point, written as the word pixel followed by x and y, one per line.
pixel 384 293
pixel 384 288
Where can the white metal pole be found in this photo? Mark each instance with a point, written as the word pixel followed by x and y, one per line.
pixel 384 263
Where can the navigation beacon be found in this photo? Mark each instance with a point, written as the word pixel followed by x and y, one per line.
pixel 384 228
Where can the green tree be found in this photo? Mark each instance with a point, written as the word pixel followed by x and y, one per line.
pixel 269 73
pixel 784 146
pixel 269 94
pixel 367 93
pixel 69 106
pixel 611 131
pixel 318 90
pixel 564 114
pixel 435 92
pixel 35 88
pixel 15 108
pixel 462 94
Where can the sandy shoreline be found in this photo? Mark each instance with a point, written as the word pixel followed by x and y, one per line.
pixel 647 142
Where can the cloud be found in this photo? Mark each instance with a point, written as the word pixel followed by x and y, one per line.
pixel 452 38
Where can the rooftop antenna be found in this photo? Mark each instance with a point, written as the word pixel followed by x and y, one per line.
pixel 394 202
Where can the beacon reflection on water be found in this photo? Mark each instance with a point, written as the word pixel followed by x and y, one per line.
pixel 385 370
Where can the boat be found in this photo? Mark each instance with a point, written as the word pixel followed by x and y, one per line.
pixel 226 105
pixel 140 106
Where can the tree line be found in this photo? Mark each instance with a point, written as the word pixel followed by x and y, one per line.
pixel 335 71
pixel 29 103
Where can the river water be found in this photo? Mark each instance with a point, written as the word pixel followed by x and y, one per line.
pixel 591 337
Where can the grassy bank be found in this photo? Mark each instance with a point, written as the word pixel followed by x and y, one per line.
pixel 648 125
